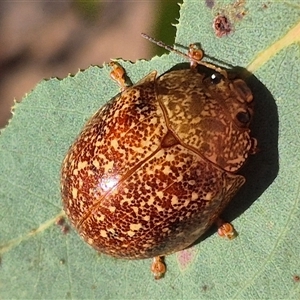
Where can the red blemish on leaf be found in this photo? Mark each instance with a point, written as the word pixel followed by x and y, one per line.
pixel 221 26
pixel 61 222
pixel 227 15
pixel 296 278
pixel 210 3
pixel 186 257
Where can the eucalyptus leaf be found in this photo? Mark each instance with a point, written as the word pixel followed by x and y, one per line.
pixel 39 260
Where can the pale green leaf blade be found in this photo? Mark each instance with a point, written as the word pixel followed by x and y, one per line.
pixel 39 261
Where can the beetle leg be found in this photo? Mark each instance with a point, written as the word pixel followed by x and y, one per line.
pixel 118 74
pixel 225 229
pixel 195 54
pixel 254 148
pixel 158 267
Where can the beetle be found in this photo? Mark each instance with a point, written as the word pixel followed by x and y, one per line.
pixel 153 169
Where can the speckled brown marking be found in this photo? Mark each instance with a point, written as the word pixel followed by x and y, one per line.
pixel 203 115
pixel 154 168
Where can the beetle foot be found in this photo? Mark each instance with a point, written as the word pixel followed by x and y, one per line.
pixel 226 229
pixel 158 267
pixel 254 148
pixel 118 74
pixel 195 54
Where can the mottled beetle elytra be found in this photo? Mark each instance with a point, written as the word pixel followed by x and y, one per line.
pixel 153 169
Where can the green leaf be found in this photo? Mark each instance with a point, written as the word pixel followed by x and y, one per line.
pixel 38 260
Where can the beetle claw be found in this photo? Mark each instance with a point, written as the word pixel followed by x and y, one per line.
pixel 195 54
pixel 158 267
pixel 226 229
pixel 118 74
pixel 254 148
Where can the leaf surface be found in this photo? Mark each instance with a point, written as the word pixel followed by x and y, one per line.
pixel 39 261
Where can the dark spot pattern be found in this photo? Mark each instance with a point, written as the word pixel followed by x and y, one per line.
pixel 204 116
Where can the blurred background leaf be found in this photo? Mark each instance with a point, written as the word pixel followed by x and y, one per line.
pixel 43 39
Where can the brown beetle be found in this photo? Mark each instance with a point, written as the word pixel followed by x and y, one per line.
pixel 153 169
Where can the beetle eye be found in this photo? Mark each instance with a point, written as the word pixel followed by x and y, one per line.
pixel 216 78
pixel 244 117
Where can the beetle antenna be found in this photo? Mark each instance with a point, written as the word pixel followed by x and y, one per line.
pixel 165 46
pixel 190 58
